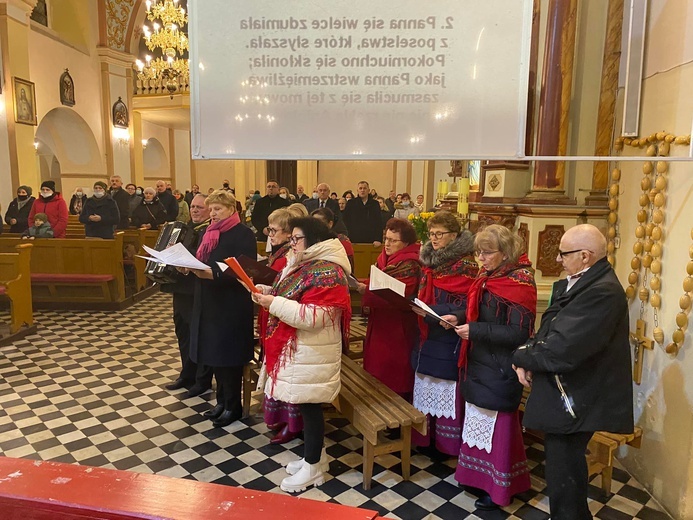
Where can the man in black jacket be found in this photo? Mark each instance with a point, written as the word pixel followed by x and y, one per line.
pixel 100 214
pixel 579 368
pixel 196 378
pixel 122 199
pixel 168 200
pixel 362 218
pixel 300 194
pixel 264 206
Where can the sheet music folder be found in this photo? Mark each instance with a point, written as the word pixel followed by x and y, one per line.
pixel 258 271
pixel 397 301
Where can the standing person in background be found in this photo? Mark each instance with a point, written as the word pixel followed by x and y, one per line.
pixel 327 217
pixel 390 202
pixel 167 200
pixel 300 194
pixel 135 197
pixel 150 214
pixel 362 218
pixel 264 206
pixel 53 205
pixel 221 327
pixel 392 334
pixel 579 368
pixel 122 199
pixel 342 204
pixel 385 213
pixel 449 268
pixel 18 212
pixel 189 195
pixel 348 195
pixel 196 378
pixel 324 201
pixel 100 214
pixel 501 307
pixel 309 314
pixel 183 209
pixel 77 201
pixel 407 208
pixel 419 204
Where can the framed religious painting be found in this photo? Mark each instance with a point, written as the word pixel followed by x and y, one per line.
pixel 24 102
pixel 120 114
pixel 67 89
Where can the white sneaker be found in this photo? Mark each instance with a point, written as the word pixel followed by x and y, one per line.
pixel 293 466
pixel 308 475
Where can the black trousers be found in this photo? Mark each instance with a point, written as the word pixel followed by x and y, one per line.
pixel 566 475
pixel 229 384
pixel 191 372
pixel 313 431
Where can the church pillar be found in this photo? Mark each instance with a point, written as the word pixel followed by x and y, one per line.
pixel 117 82
pixel 306 175
pixel 14 43
pixel 554 101
pixel 607 103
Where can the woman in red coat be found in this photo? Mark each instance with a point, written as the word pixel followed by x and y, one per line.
pixel 392 333
pixel 52 204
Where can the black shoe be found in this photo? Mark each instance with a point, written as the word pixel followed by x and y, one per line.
pixel 485 503
pixel 226 418
pixel 177 384
pixel 196 390
pixel 215 412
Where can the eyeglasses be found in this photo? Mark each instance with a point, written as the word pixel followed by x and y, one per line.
pixel 438 234
pixel 294 239
pixel 271 231
pixel 392 240
pixel 564 253
pixel 485 253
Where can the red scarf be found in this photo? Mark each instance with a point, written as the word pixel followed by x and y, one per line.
pixel 276 261
pixel 319 283
pixel 403 265
pixel 512 284
pixel 211 237
pixel 279 254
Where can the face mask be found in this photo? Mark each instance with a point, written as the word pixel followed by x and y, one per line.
pixel 46 195
pixel 80 194
pixel 226 185
pixel 315 195
pixel 405 203
pixel 22 197
pixel 138 192
pixel 282 195
pixel 99 194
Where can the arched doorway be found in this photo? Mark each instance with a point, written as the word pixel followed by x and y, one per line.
pixel 155 162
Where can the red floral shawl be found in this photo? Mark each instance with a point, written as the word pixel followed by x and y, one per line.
pixel 512 284
pixel 276 261
pixel 403 265
pixel 319 283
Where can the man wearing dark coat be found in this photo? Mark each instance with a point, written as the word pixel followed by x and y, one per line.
pixel 122 199
pixel 362 218
pixel 100 214
pixel 196 378
pixel 324 201
pixel 167 200
pixel 264 207
pixel 579 368
pixel 300 194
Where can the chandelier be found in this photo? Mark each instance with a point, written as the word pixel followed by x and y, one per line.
pixel 168 70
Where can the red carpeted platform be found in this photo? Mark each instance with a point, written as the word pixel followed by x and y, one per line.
pixel 35 490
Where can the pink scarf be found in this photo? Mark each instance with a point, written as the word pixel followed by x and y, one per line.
pixel 211 237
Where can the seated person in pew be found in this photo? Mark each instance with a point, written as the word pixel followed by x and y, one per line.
pixel 309 315
pixel 100 214
pixel 41 228
pixel 392 334
pixel 150 213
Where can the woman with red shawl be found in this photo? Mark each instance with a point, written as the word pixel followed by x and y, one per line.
pixel 449 269
pixel 499 317
pixel 309 314
pixel 392 333
pixel 279 416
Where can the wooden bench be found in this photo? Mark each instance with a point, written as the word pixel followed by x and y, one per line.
pixel 600 449
pixel 75 273
pixel 357 335
pixel 365 255
pixel 371 407
pixel 15 285
pixel 133 240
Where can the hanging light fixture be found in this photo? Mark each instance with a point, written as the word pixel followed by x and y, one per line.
pixel 170 70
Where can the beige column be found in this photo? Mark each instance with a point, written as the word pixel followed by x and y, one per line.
pixel 14 42
pixel 429 184
pixel 307 175
pixel 137 149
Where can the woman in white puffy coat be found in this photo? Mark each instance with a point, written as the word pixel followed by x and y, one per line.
pixel 309 313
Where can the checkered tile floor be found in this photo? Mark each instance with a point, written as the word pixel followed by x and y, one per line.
pixel 88 389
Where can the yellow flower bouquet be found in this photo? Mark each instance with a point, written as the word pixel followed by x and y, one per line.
pixel 420 224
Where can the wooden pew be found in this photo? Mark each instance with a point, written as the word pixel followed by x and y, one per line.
pixel 15 285
pixel 371 408
pixel 75 273
pixel 133 240
pixel 365 255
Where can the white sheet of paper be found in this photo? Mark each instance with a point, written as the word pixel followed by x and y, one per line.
pixel 222 266
pixel 177 256
pixel 430 311
pixel 381 280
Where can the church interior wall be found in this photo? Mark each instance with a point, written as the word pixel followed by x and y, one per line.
pixel 156 155
pixel 181 149
pixel 211 174
pixel 664 401
pixel 345 175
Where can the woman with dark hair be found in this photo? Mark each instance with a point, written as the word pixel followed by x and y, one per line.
pixel 326 215
pixel 309 313
pixel 348 194
pixel 77 201
pixel 392 333
pixel 334 195
pixel 501 307
pixel 449 268
pixel 221 326
pixel 17 215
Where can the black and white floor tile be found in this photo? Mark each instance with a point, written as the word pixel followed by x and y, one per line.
pixel 88 389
